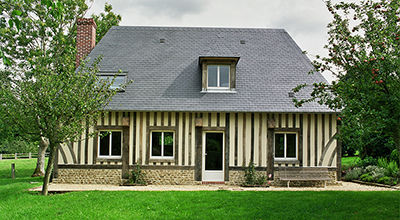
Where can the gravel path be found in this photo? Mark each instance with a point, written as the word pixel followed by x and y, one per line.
pixel 343 186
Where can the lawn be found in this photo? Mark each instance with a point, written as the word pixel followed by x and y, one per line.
pixel 347 161
pixel 18 204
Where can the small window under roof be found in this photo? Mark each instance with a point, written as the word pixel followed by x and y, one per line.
pixel 120 78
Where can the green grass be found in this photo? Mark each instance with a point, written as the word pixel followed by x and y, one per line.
pixel 18 204
pixel 347 161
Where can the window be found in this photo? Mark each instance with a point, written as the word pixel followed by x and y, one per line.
pixel 118 82
pixel 162 144
pixel 120 78
pixel 286 145
pixel 110 143
pixel 218 76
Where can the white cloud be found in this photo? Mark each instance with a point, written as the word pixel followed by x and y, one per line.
pixel 305 20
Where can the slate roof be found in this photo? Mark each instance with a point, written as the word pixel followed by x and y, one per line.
pixel 167 76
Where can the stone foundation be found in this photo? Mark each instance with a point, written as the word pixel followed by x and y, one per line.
pixel 237 177
pixel 170 177
pixel 166 177
pixel 89 176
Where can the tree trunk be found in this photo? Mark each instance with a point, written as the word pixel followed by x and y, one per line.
pixel 46 179
pixel 39 171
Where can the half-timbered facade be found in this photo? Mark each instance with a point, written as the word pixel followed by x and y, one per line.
pixel 204 102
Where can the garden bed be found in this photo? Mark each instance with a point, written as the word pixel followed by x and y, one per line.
pixel 377 184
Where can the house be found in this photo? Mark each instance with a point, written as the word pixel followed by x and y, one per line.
pixel 203 103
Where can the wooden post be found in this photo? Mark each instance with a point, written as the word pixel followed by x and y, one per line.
pixel 13 170
pixel 338 155
pixel 1 156
pixel 270 147
pixel 199 150
pixel 30 156
pixel 16 156
pixel 125 147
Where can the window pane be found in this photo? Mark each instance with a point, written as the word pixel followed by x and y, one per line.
pixel 224 76
pixel 291 145
pixel 168 144
pixel 212 76
pixel 156 144
pixel 116 143
pixel 104 144
pixel 279 145
pixel 119 80
pixel 214 142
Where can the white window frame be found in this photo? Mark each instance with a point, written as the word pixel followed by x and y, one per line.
pixel 218 87
pixel 162 145
pixel 285 146
pixel 109 144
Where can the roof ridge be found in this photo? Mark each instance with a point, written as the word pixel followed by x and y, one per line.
pixel 203 28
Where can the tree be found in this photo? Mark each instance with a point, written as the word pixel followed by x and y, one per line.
pixel 364 47
pixel 40 89
pixel 105 21
pixel 47 28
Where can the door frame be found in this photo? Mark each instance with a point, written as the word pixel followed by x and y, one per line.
pixel 217 176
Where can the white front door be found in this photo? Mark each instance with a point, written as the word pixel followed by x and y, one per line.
pixel 213 156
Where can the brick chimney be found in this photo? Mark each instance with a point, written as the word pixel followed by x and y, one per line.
pixel 85 38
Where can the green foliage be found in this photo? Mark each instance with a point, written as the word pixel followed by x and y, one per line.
pixel 367 161
pixel 367 177
pixel 354 174
pixel 386 173
pixel 364 53
pixel 137 176
pixel 105 21
pixel 17 146
pixel 252 177
pixel 41 91
pixel 386 180
pixel 392 170
pixel 394 156
pixel 348 150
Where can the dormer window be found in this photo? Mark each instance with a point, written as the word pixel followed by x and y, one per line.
pixel 120 78
pixel 218 74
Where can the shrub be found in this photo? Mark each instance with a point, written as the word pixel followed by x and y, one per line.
pixel 367 161
pixel 251 177
pixel 137 175
pixel 386 180
pixel 261 179
pixel 394 156
pixel 392 169
pixel 18 146
pixel 250 174
pixel 354 174
pixel 382 162
pixel 378 173
pixel 367 177
pixel 351 176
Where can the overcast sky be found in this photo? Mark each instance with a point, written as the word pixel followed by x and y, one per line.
pixel 305 20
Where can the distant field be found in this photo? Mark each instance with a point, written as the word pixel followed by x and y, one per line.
pixel 15 203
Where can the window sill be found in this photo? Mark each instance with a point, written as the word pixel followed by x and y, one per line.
pixel 219 91
pixel 164 160
pixel 105 159
pixel 286 161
